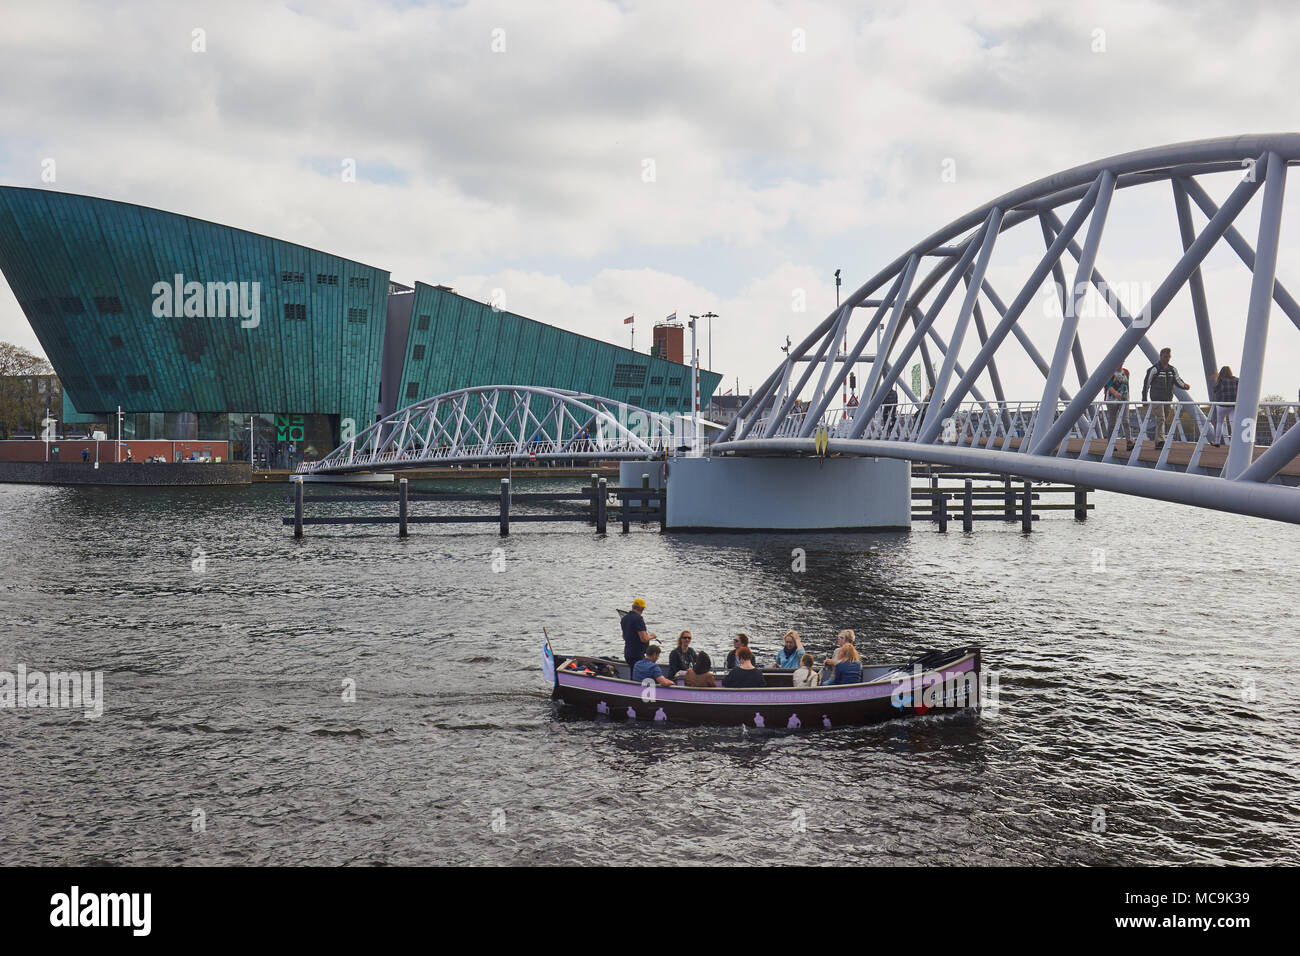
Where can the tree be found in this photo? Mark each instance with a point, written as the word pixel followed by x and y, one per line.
pixel 21 404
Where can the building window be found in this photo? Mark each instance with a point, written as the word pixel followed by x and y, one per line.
pixel 115 341
pixel 671 401
pixel 357 315
pixel 292 277
pixel 295 312
pixel 106 382
pixel 137 383
pixel 417 353
pixel 412 389
pixel 108 304
pixel 322 279
pixel 629 376
pixel 634 400
pixel 652 402
pixel 675 382
pixel 358 282
pixel 656 379
pixel 71 305
pixel 422 323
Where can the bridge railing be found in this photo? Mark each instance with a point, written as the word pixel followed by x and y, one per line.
pixel 1006 424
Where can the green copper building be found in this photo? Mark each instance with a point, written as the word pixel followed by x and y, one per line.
pixel 199 331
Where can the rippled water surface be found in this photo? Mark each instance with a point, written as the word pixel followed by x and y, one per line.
pixel 1147 710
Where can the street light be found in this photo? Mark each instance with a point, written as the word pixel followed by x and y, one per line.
pixel 710 316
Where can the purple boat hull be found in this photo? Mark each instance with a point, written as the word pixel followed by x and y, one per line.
pixel 938 682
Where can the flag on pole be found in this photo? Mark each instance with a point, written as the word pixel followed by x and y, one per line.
pixel 671 318
pixel 628 320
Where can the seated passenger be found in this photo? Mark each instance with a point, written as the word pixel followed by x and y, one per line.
pixel 843 637
pixel 737 642
pixel 700 675
pixel 806 676
pixel 849 668
pixel 744 674
pixel 682 656
pixel 787 658
pixel 647 668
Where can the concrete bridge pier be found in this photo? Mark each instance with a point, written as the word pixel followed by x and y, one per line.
pixel 788 494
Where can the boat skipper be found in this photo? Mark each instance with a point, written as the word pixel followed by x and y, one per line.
pixel 635 637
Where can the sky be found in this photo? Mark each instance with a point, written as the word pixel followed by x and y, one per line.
pixel 588 160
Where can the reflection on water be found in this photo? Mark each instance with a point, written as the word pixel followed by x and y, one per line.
pixel 1145 711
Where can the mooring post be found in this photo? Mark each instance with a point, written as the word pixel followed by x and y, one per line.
pixel 967 508
pixel 943 512
pixel 645 502
pixel 297 507
pixel 1026 514
pixel 1008 499
pixel 595 487
pixel 401 507
pixel 626 512
pixel 1080 503
pixel 505 507
pixel 601 506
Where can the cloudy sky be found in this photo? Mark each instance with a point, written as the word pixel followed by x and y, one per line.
pixel 596 159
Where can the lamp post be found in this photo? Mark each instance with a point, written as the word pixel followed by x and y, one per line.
pixel 695 387
pixel 117 449
pixel 710 316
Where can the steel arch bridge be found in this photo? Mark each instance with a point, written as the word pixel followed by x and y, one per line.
pixel 500 424
pixel 1072 436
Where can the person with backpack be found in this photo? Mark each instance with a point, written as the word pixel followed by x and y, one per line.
pixel 1158 392
pixel 1225 398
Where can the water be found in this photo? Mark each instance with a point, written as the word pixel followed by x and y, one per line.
pixel 1146 711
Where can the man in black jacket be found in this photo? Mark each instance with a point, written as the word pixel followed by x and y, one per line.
pixel 1158 387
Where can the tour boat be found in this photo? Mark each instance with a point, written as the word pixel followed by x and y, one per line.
pixel 935 682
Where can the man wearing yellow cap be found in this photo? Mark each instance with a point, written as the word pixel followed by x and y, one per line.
pixel 635 637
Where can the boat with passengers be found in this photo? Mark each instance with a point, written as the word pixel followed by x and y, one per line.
pixel 937 681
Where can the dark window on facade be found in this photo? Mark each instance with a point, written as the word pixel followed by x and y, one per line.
pixel 671 401
pixel 106 382
pixel 634 400
pixel 295 312
pixel 675 382
pixel 108 304
pixel 115 341
pixel 40 307
pixel 656 379
pixel 355 282
pixel 652 402
pixel 357 315
pixel 629 376
pixel 422 323
pixel 417 353
pixel 292 277
pixel 412 389
pixel 71 305
pixel 137 383
pixel 322 279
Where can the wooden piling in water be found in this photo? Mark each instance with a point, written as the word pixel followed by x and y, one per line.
pixel 1027 514
pixel 602 506
pixel 401 507
pixel 1080 503
pixel 297 508
pixel 967 508
pixel 505 507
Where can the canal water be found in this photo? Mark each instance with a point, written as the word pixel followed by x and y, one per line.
pixel 356 699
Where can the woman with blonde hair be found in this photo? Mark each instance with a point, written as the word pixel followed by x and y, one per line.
pixel 848 667
pixel 787 658
pixel 843 637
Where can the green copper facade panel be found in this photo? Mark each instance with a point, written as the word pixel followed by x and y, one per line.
pixel 84 272
pixel 465 343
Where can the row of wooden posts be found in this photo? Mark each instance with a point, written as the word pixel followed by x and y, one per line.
pixel 999 500
pixel 644 504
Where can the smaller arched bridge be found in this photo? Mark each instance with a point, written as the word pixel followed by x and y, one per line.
pixel 499 424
